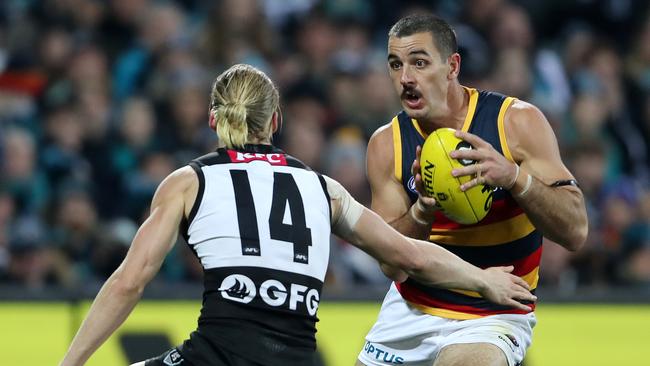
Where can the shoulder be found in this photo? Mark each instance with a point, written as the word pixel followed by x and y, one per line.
pixel 177 184
pixel 381 141
pixel 521 112
pixel 526 127
pixel 183 177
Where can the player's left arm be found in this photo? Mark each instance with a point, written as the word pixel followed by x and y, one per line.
pixel 119 295
pixel 557 211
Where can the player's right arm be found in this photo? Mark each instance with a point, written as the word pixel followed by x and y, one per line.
pixel 123 289
pixel 426 262
pixel 389 200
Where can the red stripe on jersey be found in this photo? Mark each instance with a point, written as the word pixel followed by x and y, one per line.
pixel 416 296
pixel 501 210
pixel 526 264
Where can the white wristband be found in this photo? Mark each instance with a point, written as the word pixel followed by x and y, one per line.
pixel 514 181
pixel 529 182
pixel 414 215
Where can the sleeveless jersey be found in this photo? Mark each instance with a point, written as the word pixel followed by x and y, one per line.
pixel 260 226
pixel 504 237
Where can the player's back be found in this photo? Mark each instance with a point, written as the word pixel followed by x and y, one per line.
pixel 260 227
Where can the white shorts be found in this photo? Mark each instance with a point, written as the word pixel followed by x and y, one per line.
pixel 403 335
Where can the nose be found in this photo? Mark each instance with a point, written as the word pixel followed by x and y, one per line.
pixel 406 79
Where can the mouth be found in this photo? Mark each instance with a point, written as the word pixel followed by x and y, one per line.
pixel 412 99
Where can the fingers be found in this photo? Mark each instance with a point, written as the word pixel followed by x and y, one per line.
pixel 419 185
pixel 428 201
pixel 517 305
pixel 525 296
pixel 466 154
pixel 519 281
pixel 471 138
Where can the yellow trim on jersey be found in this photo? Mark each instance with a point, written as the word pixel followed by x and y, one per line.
pixel 417 128
pixel 485 235
pixel 471 108
pixel 444 313
pixel 397 147
pixel 502 129
pixel 531 279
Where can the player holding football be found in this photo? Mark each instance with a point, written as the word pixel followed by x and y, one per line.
pixel 516 152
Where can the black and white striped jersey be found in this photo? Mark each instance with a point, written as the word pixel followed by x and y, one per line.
pixel 260 226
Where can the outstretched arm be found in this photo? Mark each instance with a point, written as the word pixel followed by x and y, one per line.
pixel 426 262
pixel 123 289
pixel 558 212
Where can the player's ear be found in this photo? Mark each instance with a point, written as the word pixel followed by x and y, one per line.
pixel 275 122
pixel 454 66
pixel 212 122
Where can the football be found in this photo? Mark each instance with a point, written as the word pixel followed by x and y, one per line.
pixel 467 207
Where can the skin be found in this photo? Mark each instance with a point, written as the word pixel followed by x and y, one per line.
pixel 416 65
pixel 174 199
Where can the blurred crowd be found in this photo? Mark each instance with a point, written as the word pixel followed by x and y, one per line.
pixel 101 99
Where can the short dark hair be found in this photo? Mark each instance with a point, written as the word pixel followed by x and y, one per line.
pixel 443 34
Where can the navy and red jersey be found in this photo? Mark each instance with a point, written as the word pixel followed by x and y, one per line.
pixel 504 237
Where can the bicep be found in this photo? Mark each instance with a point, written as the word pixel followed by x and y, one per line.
pixel 389 199
pixel 537 153
pixel 158 233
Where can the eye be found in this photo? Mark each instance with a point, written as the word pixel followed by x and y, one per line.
pixel 395 65
pixel 420 63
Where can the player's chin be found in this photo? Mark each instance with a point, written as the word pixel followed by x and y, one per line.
pixel 416 113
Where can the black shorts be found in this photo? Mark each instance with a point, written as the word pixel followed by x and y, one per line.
pixel 174 357
pixel 169 358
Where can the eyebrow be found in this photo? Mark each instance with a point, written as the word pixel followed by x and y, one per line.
pixel 392 56
pixel 419 52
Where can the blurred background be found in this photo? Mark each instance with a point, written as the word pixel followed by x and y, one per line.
pixel 101 99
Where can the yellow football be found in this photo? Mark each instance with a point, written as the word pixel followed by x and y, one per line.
pixel 467 207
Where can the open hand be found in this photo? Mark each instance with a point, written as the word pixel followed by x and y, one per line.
pixel 491 167
pixel 504 288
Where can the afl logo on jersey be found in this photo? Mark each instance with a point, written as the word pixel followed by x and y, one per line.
pixel 238 288
pixel 411 185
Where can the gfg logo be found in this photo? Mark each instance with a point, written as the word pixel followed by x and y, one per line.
pixel 240 288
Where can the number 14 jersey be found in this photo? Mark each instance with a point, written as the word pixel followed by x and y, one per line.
pixel 260 226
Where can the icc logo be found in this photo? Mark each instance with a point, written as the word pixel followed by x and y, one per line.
pixel 238 288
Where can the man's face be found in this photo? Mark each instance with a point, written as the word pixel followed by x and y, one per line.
pixel 419 76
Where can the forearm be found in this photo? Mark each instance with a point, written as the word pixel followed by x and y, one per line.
pixel 111 307
pixel 414 223
pixel 559 213
pixel 444 269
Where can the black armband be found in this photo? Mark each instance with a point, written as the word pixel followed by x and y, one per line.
pixel 565 182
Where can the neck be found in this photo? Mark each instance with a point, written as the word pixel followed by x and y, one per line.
pixel 255 141
pixel 454 113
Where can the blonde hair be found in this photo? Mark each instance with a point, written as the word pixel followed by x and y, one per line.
pixel 243 100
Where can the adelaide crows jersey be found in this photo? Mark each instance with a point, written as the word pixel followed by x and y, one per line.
pixel 260 227
pixel 504 237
